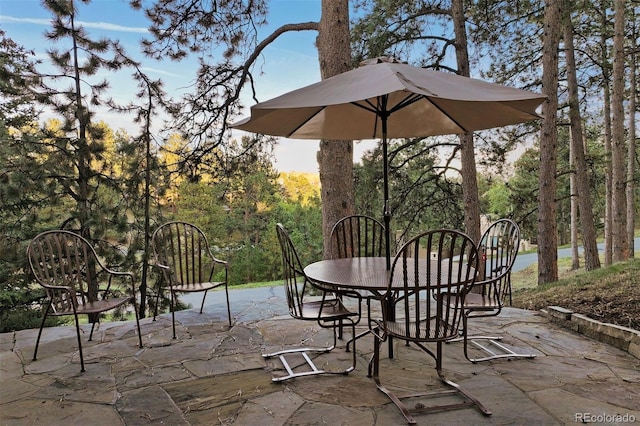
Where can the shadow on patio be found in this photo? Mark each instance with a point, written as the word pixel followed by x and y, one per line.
pixel 212 375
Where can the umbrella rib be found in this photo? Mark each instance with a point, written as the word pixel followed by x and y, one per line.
pixel 446 115
pixel 371 108
pixel 410 99
pixel 305 121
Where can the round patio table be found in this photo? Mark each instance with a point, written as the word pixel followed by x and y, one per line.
pixel 361 274
pixel 353 273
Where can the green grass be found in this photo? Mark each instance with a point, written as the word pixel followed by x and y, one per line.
pixel 609 294
pixel 256 285
pixel 528 277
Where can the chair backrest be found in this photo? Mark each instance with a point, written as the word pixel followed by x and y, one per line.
pixel 63 258
pixel 357 236
pixel 431 273
pixel 499 247
pixel 184 248
pixel 295 280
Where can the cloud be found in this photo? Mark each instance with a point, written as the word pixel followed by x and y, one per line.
pixel 96 25
pixel 159 71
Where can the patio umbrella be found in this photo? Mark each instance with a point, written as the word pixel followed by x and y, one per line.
pixel 386 99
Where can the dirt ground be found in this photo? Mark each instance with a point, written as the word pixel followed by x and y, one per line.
pixel 610 302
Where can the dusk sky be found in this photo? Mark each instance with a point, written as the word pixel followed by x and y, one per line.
pixel 289 63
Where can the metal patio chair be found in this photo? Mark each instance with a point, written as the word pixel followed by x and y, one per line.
pixel 498 247
pixel 183 256
pixel 77 282
pixel 431 274
pixel 328 312
pixel 358 236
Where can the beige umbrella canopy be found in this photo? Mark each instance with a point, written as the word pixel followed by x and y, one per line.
pixel 387 99
pixel 415 102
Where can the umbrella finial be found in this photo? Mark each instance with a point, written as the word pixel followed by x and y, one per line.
pixel 380 60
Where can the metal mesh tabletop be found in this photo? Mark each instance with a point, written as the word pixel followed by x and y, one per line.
pixel 365 273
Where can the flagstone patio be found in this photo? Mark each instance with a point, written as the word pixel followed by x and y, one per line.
pixel 215 375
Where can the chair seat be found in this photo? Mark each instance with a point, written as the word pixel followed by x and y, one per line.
pixel 478 301
pixel 398 329
pixel 364 294
pixel 197 287
pixel 326 310
pixel 93 307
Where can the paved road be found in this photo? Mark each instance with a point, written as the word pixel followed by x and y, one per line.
pixel 524 260
pixel 265 293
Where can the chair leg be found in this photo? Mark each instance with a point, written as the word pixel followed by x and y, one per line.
pixel 226 290
pixel 93 325
pixel 203 298
pixel 173 314
pixel 377 342
pixel 353 339
pixel 82 370
pixel 340 325
pixel 364 333
pixel 455 386
pixel 155 311
pixel 44 317
pixel 304 352
pixel 135 310
pixel 376 377
pixel 503 351
pixel 35 352
pixel 468 400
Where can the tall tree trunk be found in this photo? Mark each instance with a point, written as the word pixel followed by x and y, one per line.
pixel 588 227
pixel 631 155
pixel 83 160
pixel 620 249
pixel 83 157
pixel 606 97
pixel 547 225
pixel 467 153
pixel 335 158
pixel 575 254
pixel 147 212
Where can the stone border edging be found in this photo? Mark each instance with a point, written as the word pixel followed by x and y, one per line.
pixel 623 338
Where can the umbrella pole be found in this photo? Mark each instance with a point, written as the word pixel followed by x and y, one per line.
pixel 387 214
pixel 385 174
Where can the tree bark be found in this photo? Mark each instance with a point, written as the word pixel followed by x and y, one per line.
pixel 335 158
pixel 575 254
pixel 547 206
pixel 620 249
pixel 606 97
pixel 581 178
pixel 631 155
pixel 467 154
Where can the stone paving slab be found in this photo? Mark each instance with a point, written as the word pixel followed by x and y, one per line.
pixel 35 411
pixel 213 374
pixel 220 396
pixel 149 405
pixel 271 409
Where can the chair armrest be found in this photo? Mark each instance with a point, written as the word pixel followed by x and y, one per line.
pixel 220 262
pixel 160 266
pixel 120 274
